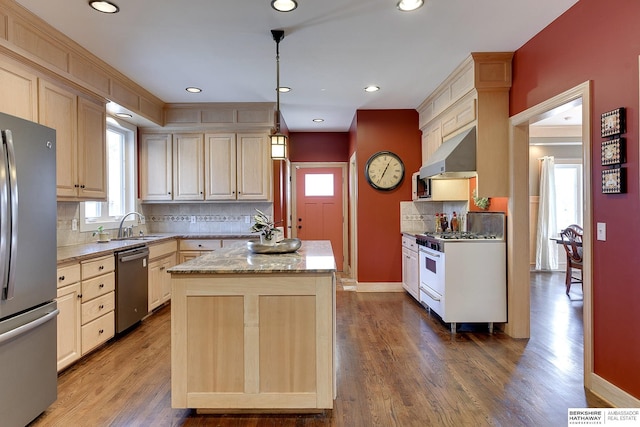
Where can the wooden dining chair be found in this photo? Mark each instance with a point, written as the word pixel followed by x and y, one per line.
pixel 572 243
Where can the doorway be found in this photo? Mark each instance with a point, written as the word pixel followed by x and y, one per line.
pixel 518 243
pixel 319 209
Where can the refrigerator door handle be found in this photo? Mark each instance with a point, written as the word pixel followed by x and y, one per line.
pixel 5 229
pixel 13 212
pixel 28 326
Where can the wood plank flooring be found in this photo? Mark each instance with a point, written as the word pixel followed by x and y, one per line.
pixel 398 365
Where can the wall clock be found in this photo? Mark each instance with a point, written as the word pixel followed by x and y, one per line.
pixel 384 170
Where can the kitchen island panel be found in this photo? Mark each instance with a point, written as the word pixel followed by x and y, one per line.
pixel 216 344
pixel 288 337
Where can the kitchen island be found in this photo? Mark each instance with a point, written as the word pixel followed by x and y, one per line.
pixel 254 332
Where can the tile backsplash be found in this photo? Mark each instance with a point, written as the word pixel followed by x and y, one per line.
pixel 169 218
pixel 420 216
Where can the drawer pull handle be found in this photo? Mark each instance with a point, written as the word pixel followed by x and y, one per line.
pixel 61 278
pixel 101 331
pixel 79 295
pixel 101 267
pixel 101 285
pixel 101 306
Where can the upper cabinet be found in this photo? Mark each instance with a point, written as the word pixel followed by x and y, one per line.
pixel 205 167
pixel 475 94
pixel 18 91
pixel 80 126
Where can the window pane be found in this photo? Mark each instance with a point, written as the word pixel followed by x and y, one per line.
pixel 568 195
pixel 116 165
pixel 92 209
pixel 318 184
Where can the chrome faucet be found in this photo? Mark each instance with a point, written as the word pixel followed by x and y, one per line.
pixel 122 221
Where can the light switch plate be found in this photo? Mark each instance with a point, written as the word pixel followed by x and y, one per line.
pixel 601 231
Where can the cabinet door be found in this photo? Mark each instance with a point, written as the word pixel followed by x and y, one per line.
pixel 220 166
pixel 155 283
pixel 156 178
pixel 58 109
pixel 18 92
pixel 188 165
pixel 92 150
pixel 431 140
pixel 253 167
pixel 165 287
pixel 69 345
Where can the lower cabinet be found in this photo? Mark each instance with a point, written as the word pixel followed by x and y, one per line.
pixel 98 302
pixel 193 248
pixel 69 338
pixel 410 267
pixel 162 256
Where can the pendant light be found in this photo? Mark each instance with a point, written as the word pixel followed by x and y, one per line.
pixel 278 140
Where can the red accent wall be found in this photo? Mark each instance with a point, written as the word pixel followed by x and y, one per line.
pixel 319 147
pixel 379 242
pixel 599 41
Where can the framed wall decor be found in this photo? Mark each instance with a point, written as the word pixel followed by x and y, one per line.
pixel 612 152
pixel 613 181
pixel 612 122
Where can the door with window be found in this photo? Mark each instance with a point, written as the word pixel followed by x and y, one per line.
pixel 319 207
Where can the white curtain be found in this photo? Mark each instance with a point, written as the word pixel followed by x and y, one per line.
pixel 547 250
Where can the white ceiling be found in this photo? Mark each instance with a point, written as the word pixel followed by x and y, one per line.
pixel 332 48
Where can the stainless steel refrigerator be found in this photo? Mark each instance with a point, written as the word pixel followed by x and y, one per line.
pixel 28 377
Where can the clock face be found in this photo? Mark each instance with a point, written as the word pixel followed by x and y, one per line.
pixel 384 170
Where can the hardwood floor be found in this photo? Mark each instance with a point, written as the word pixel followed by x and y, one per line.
pixel 397 366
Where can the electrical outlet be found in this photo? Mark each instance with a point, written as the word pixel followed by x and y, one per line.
pixel 247 219
pixel 601 231
pixel 193 219
pixel 74 225
pixel 143 220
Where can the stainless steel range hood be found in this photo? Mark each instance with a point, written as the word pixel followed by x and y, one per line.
pixel 455 158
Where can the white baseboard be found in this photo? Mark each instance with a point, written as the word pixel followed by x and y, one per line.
pixel 379 287
pixel 616 397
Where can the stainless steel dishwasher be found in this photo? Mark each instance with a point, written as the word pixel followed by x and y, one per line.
pixel 131 286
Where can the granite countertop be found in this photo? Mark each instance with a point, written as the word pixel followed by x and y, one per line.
pixel 314 256
pixel 95 249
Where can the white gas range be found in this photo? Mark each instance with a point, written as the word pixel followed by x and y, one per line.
pixel 463 275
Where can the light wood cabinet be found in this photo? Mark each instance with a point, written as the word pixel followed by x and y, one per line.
pixel 98 302
pixel 193 248
pixel 188 167
pixel 162 256
pixel 410 267
pixel 211 166
pixel 18 91
pixel 156 167
pixel 80 126
pixel 476 94
pixel 69 319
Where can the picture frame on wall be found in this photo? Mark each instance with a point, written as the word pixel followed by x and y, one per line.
pixel 612 122
pixel 613 181
pixel 612 152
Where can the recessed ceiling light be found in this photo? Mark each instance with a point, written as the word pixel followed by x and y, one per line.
pixel 284 5
pixel 192 89
pixel 409 5
pixel 124 115
pixel 104 6
pixel 372 88
pixel 318 120
pixel 284 89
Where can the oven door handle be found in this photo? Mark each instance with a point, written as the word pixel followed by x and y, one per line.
pixel 431 295
pixel 431 254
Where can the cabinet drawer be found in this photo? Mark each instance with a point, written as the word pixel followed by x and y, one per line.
pixel 92 288
pixel 98 332
pixel 199 244
pixel 68 274
pixel 160 249
pixel 410 243
pixel 97 307
pixel 98 266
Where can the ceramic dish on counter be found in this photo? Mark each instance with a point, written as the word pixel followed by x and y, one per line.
pixel 283 247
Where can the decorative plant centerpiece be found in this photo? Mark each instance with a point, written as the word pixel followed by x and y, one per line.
pixel 103 236
pixel 481 202
pixel 265 227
